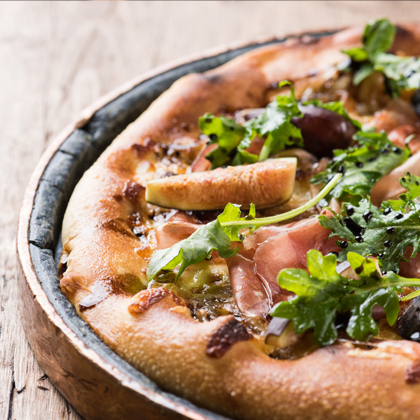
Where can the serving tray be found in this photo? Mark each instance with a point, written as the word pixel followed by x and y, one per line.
pixel 97 382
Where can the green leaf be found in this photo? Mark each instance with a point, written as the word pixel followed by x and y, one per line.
pixel 285 135
pixel 226 133
pixel 400 72
pixel 232 213
pixel 357 54
pixel 386 232
pixel 192 250
pixel 242 157
pixel 362 166
pixel 412 184
pixel 378 37
pixel 365 71
pixel 275 124
pixel 323 293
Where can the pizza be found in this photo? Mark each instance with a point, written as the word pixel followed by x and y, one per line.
pixel 250 242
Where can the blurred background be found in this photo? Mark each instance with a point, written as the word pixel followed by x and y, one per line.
pixel 58 57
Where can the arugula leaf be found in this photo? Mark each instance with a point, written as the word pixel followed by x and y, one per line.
pixel 232 213
pixel 337 107
pixel 357 54
pixel 365 71
pixel 385 232
pixel 378 37
pixel 323 293
pixel 400 72
pixel 228 135
pixel 362 166
pixel 217 235
pixel 275 124
pixel 192 250
pixel 233 139
pixel 412 184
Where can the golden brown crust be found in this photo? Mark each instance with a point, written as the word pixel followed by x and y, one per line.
pixel 153 332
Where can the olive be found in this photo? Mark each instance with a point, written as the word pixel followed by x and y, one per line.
pixel 408 325
pixel 415 100
pixel 323 130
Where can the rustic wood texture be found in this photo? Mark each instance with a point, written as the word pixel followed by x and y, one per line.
pixel 56 58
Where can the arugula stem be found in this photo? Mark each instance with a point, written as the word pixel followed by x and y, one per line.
pixel 408 283
pixel 413 294
pixel 265 152
pixel 290 214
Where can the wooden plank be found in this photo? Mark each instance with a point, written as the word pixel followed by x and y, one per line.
pixel 25 392
pixel 56 58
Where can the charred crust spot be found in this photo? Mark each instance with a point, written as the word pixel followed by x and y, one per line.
pixel 147 298
pixel 104 288
pixel 228 334
pixel 140 150
pixel 401 31
pixel 117 225
pixel 185 126
pixel 300 174
pixel 403 39
pixel 331 349
pixel 214 78
pixel 118 198
pixel 132 190
pixel 273 85
pixel 412 374
pixel 167 174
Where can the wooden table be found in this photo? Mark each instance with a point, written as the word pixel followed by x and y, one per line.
pixel 56 58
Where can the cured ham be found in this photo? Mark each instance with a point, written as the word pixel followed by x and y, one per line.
pixel 253 241
pixel 398 113
pixel 389 186
pixel 250 294
pixel 399 135
pixel 411 268
pixel 200 163
pixel 180 226
pixel 272 249
pixel 288 250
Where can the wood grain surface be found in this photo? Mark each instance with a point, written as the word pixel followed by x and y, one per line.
pixel 56 58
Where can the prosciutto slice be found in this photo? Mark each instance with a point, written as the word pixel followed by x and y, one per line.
pixel 411 268
pixel 202 164
pixel 288 249
pixel 398 113
pixel 180 226
pixel 264 253
pixel 389 186
pixel 250 294
pixel 253 241
pixel 399 135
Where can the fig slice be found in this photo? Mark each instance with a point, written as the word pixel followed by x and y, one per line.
pixel 266 184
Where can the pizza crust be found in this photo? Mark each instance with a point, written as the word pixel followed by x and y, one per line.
pixel 217 364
